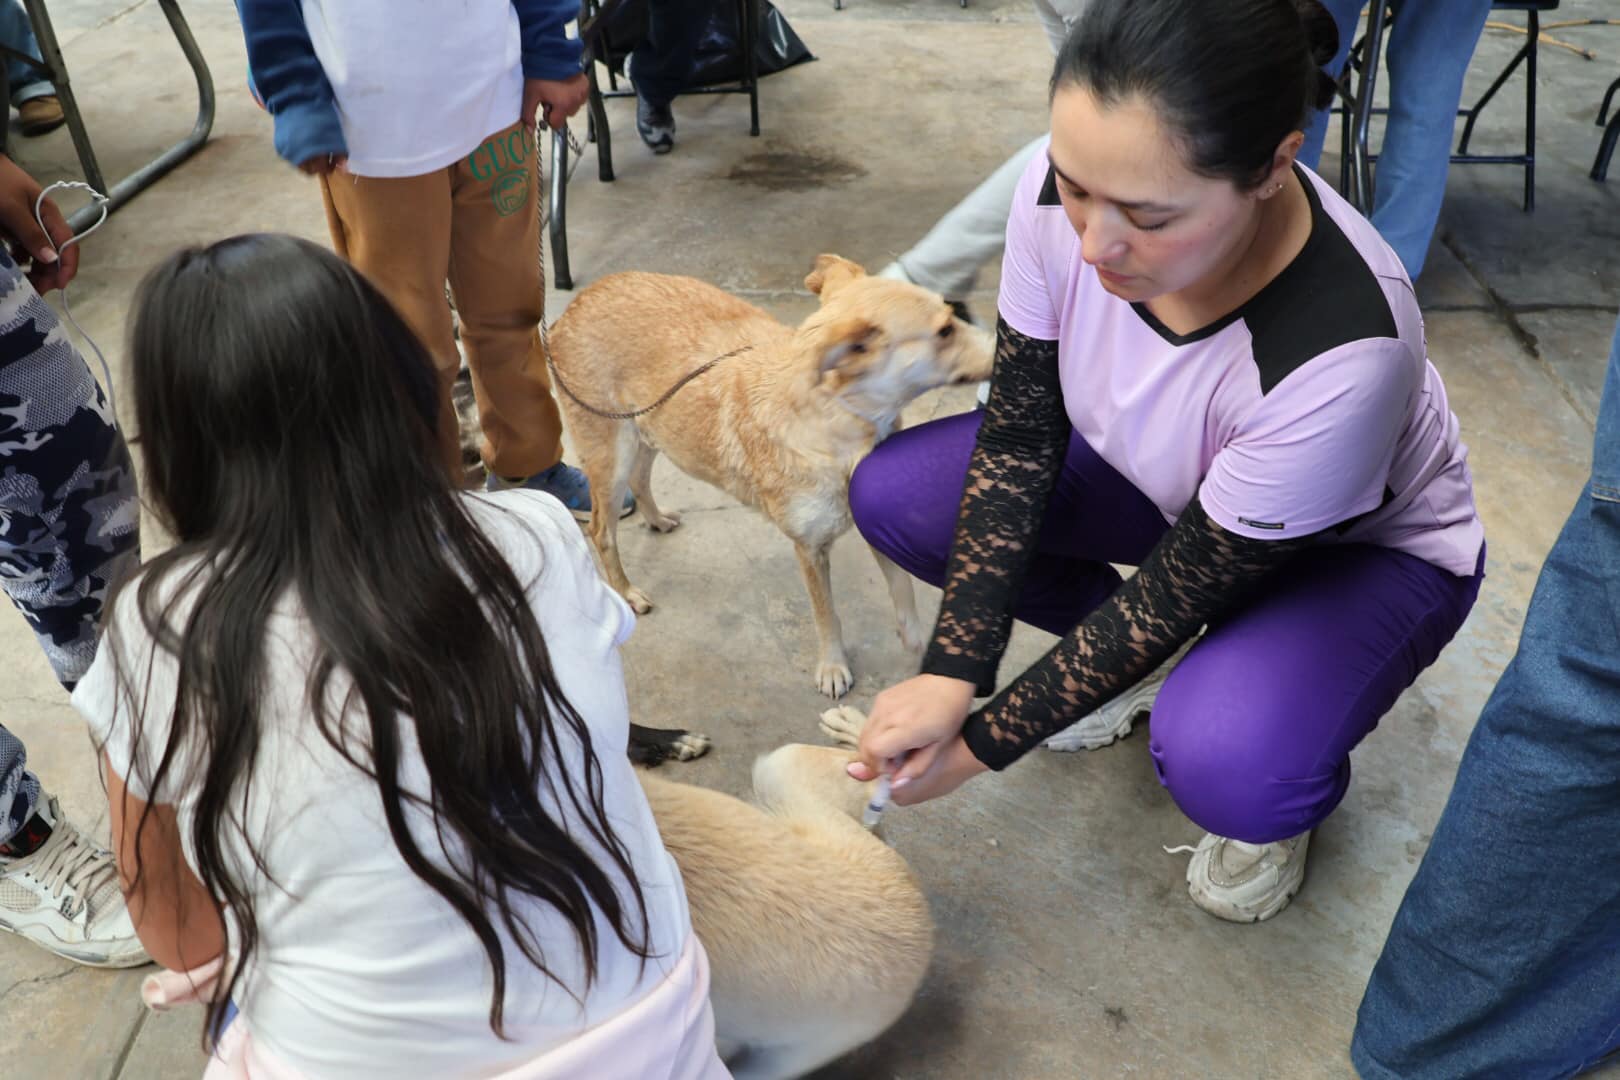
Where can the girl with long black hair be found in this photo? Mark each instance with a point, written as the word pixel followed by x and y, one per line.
pixel 364 735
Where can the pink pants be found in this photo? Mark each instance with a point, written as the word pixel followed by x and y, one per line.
pixel 666 1035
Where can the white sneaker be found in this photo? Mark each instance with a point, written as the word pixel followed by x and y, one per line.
pixel 1114 720
pixel 1246 883
pixel 64 897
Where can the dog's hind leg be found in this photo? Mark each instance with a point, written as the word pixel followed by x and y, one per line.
pixel 832 667
pixel 608 469
pixel 811 781
pixel 641 487
pixel 904 598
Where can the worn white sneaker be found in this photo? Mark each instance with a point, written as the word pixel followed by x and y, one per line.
pixel 1246 883
pixel 64 897
pixel 1114 720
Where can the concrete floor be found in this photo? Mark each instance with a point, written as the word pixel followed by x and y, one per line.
pixel 1067 946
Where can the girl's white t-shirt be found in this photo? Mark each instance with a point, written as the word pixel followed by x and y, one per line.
pixel 418 83
pixel 361 969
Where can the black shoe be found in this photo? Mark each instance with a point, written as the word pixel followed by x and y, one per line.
pixel 656 125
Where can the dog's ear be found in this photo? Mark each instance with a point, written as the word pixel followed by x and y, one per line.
pixel 839 343
pixel 831 273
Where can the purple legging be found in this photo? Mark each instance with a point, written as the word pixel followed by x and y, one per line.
pixel 1252 732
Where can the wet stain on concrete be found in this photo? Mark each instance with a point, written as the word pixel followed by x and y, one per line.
pixel 794 169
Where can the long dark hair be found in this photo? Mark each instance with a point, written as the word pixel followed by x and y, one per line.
pixel 1231 78
pixel 288 417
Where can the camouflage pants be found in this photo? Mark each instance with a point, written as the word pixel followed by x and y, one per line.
pixel 69 521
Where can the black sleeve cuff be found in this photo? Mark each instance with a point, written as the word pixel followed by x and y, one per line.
pixel 992 754
pixel 981 673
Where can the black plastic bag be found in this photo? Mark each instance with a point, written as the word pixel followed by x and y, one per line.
pixel 718 58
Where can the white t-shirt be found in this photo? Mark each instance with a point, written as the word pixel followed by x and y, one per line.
pixel 361 969
pixel 418 83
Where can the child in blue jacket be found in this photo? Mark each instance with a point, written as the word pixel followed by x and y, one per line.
pixel 418 118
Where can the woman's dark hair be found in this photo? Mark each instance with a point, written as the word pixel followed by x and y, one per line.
pixel 289 422
pixel 1231 78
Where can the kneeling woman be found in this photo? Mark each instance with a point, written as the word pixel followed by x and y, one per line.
pixel 1209 366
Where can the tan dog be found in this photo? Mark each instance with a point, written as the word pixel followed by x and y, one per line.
pixel 818 935
pixel 780 427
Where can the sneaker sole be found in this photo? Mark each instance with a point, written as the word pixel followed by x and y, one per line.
pixel 1239 915
pixel 87 959
pixel 1064 743
pixel 1139 703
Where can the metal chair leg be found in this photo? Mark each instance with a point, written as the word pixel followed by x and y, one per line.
pixel 147 174
pixel 597 109
pixel 750 42
pixel 1473 113
pixel 1530 112
pixel 1611 135
pixel 561 276
pixel 1608 99
pixel 1361 177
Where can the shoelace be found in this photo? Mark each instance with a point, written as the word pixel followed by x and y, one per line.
pixel 71 863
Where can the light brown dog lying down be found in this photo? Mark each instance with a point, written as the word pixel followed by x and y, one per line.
pixel 818 935
pixel 780 427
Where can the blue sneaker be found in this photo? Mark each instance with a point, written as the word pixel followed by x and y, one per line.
pixel 564 483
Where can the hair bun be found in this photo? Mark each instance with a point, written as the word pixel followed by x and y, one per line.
pixel 1322 36
pixel 1321 32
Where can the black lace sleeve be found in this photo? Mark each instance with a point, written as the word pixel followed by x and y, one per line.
pixel 1195 574
pixel 1015 463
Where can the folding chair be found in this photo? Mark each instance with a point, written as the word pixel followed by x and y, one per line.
pixel 1359 82
pixel 53 68
pixel 600 48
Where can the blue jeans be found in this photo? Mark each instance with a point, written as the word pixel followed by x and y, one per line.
pixel 1504 958
pixel 69 521
pixel 661 64
pixel 1429 45
pixel 16 32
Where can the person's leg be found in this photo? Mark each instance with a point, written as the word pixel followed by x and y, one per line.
pixel 662 63
pixel 1347 15
pixel 396 231
pixel 1504 957
pixel 948 259
pixel 1430 45
pixel 495 276
pixel 69 519
pixel 69 532
pixel 905 495
pixel 16 32
pixel 1252 732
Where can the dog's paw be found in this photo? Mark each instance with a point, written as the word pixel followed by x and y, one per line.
pixel 664 522
pixel 842 724
pixel 833 679
pixel 651 747
pixel 638 601
pixel 691 744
